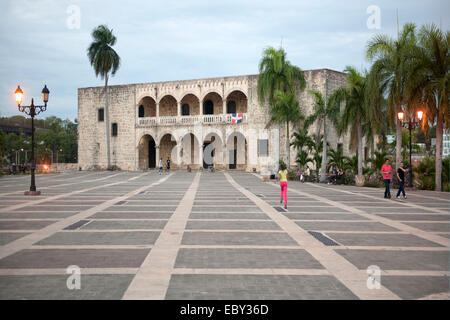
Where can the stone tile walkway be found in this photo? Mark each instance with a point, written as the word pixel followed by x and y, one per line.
pixel 217 235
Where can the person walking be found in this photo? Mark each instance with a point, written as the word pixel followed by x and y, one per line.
pixel 168 165
pixel 160 165
pixel 386 170
pixel 401 180
pixel 282 176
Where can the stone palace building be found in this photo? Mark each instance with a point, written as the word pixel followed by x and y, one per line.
pixel 180 119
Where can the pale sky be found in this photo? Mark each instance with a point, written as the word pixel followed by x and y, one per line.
pixel 184 39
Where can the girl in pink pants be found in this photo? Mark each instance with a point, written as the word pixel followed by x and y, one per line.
pixel 282 176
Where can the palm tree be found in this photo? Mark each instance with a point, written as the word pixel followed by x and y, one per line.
pixel 104 59
pixel 430 84
pixel 302 139
pixel 389 74
pixel 336 157
pixel 351 163
pixel 355 113
pixel 317 151
pixel 377 161
pixel 303 159
pixel 277 73
pixel 286 110
pixel 324 110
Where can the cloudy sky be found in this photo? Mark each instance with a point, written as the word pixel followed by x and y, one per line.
pixel 44 42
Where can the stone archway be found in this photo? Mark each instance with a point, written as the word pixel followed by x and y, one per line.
pixel 147 107
pixel 212 151
pixel 189 151
pixel 166 145
pixel 168 106
pixel 147 152
pixel 212 103
pixel 237 151
pixel 236 102
pixel 193 104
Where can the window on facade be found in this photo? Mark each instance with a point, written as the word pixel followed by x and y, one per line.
pixel 141 111
pixel 114 129
pixel 231 107
pixel 208 107
pixel 101 114
pixel 185 110
pixel 339 145
pixel 263 147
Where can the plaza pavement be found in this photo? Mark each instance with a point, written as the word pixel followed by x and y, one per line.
pixel 222 235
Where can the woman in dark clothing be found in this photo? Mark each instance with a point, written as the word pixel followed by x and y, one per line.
pixel 401 180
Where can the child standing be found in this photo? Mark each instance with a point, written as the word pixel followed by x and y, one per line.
pixel 282 176
pixel 160 166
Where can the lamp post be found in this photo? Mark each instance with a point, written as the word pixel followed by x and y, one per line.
pixel 411 123
pixel 32 111
pixel 57 153
pixel 25 160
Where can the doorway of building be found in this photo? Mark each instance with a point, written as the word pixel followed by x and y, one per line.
pixel 151 154
pixel 205 165
pixel 233 154
pixel 208 107
pixel 233 159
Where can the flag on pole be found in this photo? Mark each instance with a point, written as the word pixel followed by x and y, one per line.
pixel 236 117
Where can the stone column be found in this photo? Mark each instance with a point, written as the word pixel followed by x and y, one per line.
pixel 157 109
pixel 224 107
pixel 225 156
pixel 157 156
pixel 178 108
pixel 200 155
pixel 201 107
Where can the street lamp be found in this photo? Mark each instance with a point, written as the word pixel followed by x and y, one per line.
pixel 57 153
pixel 411 123
pixel 32 111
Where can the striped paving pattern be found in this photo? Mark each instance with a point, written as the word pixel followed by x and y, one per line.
pixel 223 235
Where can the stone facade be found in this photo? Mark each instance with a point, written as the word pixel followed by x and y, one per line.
pixel 151 123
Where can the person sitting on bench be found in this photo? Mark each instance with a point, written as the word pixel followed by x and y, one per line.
pixel 340 177
pixel 332 177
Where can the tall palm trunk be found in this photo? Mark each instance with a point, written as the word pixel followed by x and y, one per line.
pixel 319 128
pixel 438 177
pixel 372 150
pixel 108 155
pixel 288 147
pixel 279 148
pixel 323 168
pixel 360 150
pixel 398 152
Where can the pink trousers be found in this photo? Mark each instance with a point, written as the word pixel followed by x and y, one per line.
pixel 284 186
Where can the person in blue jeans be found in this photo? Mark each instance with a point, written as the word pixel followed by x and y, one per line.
pixel 401 181
pixel 386 170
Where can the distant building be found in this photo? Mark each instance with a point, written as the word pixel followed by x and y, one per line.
pixel 390 138
pixel 446 145
pixel 180 119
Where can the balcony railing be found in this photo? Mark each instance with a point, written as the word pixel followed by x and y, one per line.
pixel 189 120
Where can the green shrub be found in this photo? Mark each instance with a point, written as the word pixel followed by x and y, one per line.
pixel 292 175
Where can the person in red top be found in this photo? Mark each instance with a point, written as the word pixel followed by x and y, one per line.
pixel 386 170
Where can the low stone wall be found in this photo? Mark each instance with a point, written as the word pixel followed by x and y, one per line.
pixel 61 167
